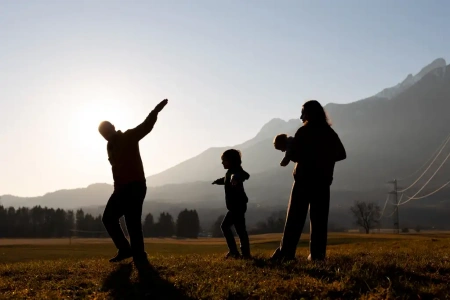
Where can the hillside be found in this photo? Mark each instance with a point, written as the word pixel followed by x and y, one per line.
pixel 389 137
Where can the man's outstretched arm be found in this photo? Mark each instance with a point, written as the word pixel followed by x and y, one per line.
pixel 140 131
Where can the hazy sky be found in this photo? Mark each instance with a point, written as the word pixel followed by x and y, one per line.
pixel 227 67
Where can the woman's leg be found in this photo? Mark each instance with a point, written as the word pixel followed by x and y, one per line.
pixel 318 214
pixel 295 220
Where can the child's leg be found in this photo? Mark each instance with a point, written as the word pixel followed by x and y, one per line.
pixel 239 224
pixel 227 233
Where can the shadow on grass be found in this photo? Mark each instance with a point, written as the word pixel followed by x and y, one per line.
pixel 150 284
pixel 398 281
pixel 369 278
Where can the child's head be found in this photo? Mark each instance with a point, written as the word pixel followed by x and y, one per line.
pixel 280 142
pixel 231 158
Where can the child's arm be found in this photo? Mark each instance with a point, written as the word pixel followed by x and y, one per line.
pixel 220 181
pixel 285 160
pixel 288 155
pixel 239 176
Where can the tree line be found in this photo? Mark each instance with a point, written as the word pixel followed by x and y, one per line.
pixel 43 222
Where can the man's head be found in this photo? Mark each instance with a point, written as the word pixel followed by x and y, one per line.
pixel 280 142
pixel 106 129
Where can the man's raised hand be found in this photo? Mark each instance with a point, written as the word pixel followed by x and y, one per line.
pixel 161 105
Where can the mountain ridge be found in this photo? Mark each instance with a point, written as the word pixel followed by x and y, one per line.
pixel 380 135
pixel 411 79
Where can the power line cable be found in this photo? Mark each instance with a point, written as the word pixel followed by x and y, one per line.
pixel 411 198
pixel 442 144
pixel 401 191
pixel 434 192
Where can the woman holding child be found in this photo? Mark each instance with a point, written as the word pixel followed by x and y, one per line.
pixel 315 148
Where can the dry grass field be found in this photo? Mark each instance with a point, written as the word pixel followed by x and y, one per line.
pixel 359 266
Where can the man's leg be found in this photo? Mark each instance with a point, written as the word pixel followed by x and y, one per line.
pixel 228 234
pixel 133 218
pixel 241 230
pixel 295 220
pixel 111 215
pixel 318 213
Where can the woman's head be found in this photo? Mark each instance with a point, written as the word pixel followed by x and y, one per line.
pixel 231 158
pixel 313 112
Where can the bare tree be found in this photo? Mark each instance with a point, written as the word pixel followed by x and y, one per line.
pixel 367 215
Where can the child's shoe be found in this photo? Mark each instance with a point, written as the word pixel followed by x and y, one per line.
pixel 233 255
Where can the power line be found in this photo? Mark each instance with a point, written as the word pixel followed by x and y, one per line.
pixel 395 208
pixel 435 151
pixel 384 208
pixel 392 213
pixel 411 198
pixel 434 192
pixel 442 148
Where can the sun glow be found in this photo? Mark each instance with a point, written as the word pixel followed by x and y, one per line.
pixel 89 115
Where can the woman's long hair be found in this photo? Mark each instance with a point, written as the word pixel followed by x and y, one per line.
pixel 315 112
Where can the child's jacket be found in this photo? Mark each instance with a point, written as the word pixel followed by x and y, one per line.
pixel 235 196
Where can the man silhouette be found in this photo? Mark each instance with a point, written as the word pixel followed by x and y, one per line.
pixel 129 186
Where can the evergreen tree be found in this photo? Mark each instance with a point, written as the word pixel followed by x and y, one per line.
pixel 165 226
pixel 149 226
pixel 188 224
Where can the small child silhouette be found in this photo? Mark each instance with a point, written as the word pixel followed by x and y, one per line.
pixel 236 202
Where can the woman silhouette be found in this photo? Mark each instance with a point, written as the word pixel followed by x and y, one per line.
pixel 316 149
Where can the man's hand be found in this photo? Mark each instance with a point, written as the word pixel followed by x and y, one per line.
pixel 161 105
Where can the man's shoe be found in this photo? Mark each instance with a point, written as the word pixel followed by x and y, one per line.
pixel 121 255
pixel 141 258
pixel 142 263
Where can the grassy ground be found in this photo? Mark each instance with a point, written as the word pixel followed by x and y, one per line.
pixel 359 267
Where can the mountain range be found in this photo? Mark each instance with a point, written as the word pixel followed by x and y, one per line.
pixel 388 135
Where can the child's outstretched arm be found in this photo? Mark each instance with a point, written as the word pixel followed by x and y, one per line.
pixel 220 181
